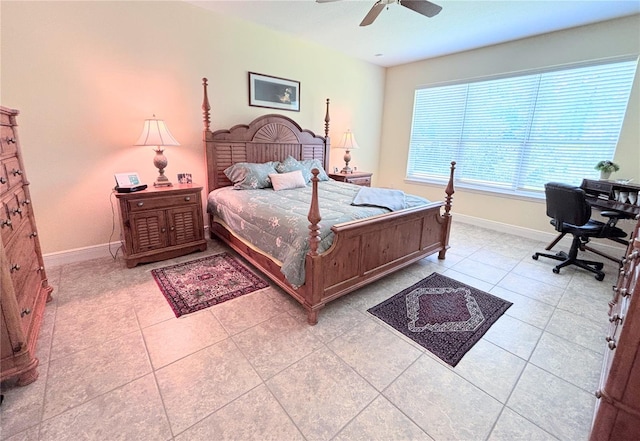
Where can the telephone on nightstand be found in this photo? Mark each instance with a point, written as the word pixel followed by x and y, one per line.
pixel 128 182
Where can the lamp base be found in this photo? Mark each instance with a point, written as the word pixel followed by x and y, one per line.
pixel 160 161
pixel 346 170
pixel 162 184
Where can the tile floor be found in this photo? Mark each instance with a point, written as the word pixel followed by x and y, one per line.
pixel 115 364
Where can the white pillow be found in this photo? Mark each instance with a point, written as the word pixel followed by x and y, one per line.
pixel 285 181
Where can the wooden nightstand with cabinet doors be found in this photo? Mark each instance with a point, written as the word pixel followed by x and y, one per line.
pixel 358 178
pixel 161 223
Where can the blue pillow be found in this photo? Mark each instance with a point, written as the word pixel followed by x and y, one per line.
pixel 292 164
pixel 251 176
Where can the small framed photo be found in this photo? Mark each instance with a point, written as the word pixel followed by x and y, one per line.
pixel 273 92
pixel 185 178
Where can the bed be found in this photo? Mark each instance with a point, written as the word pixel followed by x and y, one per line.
pixel 338 258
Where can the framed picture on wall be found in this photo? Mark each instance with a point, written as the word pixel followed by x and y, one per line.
pixel 273 92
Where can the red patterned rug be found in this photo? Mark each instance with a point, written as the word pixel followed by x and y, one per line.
pixel 443 315
pixel 198 284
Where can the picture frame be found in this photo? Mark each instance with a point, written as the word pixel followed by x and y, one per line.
pixel 185 178
pixel 273 92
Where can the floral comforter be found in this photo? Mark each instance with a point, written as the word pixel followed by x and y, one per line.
pixel 276 222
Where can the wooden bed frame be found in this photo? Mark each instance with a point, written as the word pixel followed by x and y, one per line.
pixel 362 251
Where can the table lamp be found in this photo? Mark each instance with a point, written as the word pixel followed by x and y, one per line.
pixel 348 142
pixel 155 133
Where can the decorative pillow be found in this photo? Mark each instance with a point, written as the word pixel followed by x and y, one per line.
pixel 292 164
pixel 285 181
pixel 310 164
pixel 250 176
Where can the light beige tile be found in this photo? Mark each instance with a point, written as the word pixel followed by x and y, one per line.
pixel 378 355
pixel 86 374
pixel 553 404
pixel 150 305
pixel 569 361
pixel 512 427
pixel 542 270
pixel 31 434
pixel 254 416
pixel 504 259
pixel 479 270
pixel 588 304
pixel 587 333
pixel 131 412
pixel 491 368
pixel 321 394
pixel 246 311
pixel 334 320
pixel 75 330
pixel 468 280
pixel 514 335
pixel 537 289
pixel 276 344
pixel 525 308
pixel 173 339
pixel 196 386
pixel 444 405
pixel 381 421
pixel 22 405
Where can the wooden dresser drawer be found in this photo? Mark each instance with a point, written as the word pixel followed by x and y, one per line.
pixel 8 144
pixel 148 203
pixel 21 257
pixel 365 182
pixel 13 172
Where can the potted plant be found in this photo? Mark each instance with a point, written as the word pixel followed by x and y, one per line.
pixel 606 168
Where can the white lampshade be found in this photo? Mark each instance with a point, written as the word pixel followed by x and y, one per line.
pixel 348 141
pixel 156 133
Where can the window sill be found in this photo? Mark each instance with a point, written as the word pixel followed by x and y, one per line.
pixel 530 196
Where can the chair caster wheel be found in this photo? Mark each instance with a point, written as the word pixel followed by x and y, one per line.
pixel 600 277
pixel 556 271
pixel 534 257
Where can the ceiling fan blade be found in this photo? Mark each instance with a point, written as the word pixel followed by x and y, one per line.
pixel 373 13
pixel 423 7
pixel 326 1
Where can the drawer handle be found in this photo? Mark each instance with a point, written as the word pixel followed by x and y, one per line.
pixel 14 267
pixel 2 180
pixel 615 319
pixel 6 222
pixel 633 255
pixel 16 172
pixel 26 202
pixel 17 210
pixel 25 311
pixel 187 198
pixel 163 230
pixel 172 228
pixel 17 348
pixel 33 234
pixel 40 269
pixel 11 140
pixel 612 344
pixel 140 204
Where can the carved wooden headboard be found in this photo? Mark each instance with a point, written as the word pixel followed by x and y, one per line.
pixel 267 138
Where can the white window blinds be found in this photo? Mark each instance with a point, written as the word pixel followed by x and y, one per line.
pixel 515 134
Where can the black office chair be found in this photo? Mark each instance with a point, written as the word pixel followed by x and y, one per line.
pixel 570 213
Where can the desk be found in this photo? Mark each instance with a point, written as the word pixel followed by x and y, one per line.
pixel 602 196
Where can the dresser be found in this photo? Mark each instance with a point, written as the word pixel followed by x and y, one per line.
pixel 24 288
pixel 359 178
pixel 161 223
pixel 617 414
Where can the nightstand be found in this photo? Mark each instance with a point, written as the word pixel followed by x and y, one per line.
pixel 161 223
pixel 359 178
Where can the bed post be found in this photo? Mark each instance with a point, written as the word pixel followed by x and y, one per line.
pixel 326 121
pixel 312 264
pixel 447 211
pixel 205 107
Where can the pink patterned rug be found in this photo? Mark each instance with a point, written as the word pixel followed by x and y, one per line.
pixel 443 315
pixel 198 284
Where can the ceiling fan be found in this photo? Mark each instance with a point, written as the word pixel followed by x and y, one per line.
pixel 423 7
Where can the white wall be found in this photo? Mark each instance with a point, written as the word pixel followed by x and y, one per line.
pixel 85 75
pixel 607 39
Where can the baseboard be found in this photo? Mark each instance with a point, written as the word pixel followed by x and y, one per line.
pixel 104 250
pixel 80 254
pixel 607 247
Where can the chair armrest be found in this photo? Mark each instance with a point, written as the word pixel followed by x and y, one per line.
pixel 612 214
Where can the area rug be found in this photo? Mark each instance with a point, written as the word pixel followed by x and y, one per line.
pixel 443 315
pixel 198 284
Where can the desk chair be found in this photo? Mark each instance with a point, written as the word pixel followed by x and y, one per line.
pixel 570 213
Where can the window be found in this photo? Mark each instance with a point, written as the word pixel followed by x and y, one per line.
pixel 514 134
